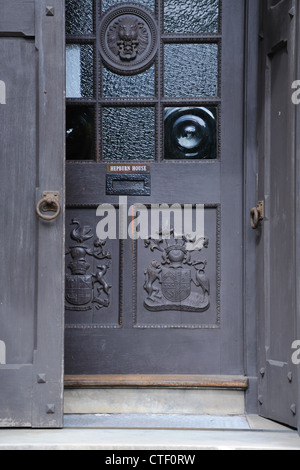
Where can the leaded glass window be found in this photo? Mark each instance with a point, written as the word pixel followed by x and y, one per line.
pixel 143 79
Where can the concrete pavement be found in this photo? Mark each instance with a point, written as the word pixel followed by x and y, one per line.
pixel 252 433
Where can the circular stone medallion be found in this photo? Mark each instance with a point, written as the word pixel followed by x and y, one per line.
pixel 128 39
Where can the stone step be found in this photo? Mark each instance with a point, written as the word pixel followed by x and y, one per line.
pixel 132 401
pixel 194 395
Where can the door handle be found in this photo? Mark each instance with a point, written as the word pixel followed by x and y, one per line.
pixel 49 203
pixel 257 215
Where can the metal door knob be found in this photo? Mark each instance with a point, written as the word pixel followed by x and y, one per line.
pixel 49 203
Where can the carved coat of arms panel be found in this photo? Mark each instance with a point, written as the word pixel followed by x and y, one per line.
pixel 180 287
pixel 92 274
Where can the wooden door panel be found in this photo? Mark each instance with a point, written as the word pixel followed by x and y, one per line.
pixel 17 17
pixel 20 88
pixel 93 273
pixel 16 406
pixel 162 319
pixel 139 352
pixel 31 273
pixel 276 250
pixel 18 294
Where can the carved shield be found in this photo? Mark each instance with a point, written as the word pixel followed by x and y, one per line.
pixel 176 284
pixel 79 289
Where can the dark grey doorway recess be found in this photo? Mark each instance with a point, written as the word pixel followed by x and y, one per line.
pixel 161 109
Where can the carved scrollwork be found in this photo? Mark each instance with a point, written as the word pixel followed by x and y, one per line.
pixel 83 289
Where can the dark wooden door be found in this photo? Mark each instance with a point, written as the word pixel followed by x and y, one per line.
pixel 31 162
pixel 154 114
pixel 278 388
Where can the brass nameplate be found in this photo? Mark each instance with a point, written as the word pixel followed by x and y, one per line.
pixel 130 169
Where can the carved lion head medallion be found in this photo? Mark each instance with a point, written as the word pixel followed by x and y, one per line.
pixel 128 39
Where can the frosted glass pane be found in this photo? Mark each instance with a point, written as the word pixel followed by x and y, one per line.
pixel 79 71
pixel 191 70
pixel 128 134
pixel 79 16
pixel 116 86
pixel 111 3
pixel 191 16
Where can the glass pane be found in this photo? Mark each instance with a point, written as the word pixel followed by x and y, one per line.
pixel 191 16
pixel 116 86
pixel 191 133
pixel 79 76
pixel 79 16
pixel 128 134
pixel 111 3
pixel 191 70
pixel 80 132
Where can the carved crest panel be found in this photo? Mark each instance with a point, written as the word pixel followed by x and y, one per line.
pixel 92 278
pixel 177 281
pixel 82 289
pixel 177 287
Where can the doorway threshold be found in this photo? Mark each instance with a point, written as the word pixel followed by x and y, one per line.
pixel 160 394
pixel 232 382
pixel 110 401
pixel 260 435
pixel 172 422
pixel 155 421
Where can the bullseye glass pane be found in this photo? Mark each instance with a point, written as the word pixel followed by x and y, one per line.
pixel 191 133
pixel 191 70
pixel 111 3
pixel 117 86
pixel 128 134
pixel 79 16
pixel 80 132
pixel 191 16
pixel 79 71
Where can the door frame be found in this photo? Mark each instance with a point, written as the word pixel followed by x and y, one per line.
pixel 297 204
pixel 280 23
pixel 32 274
pixel 249 193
